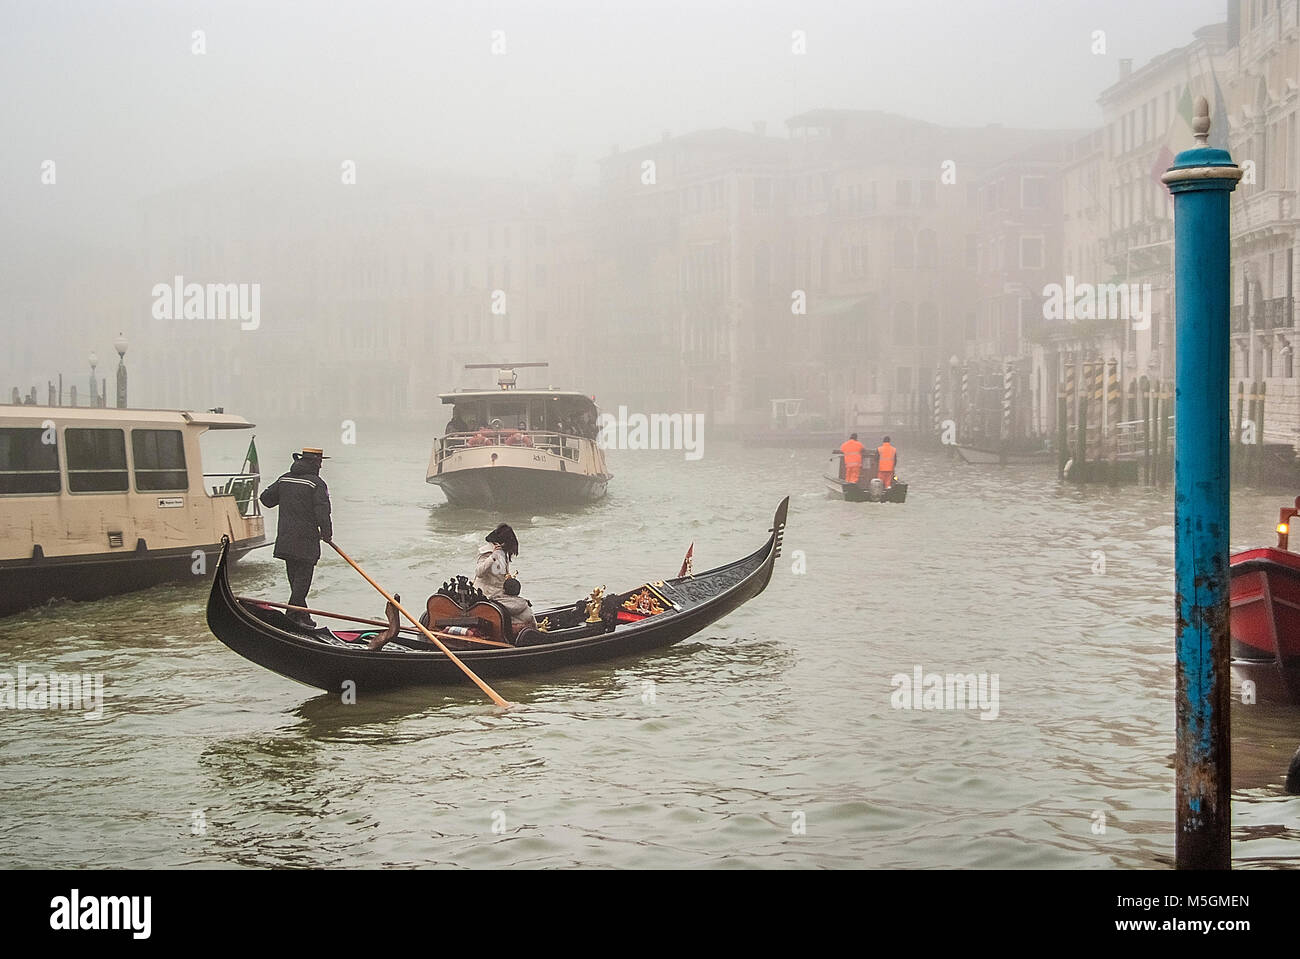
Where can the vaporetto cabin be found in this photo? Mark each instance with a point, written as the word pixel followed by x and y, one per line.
pixel 97 501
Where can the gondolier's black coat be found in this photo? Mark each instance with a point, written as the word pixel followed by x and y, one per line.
pixel 304 502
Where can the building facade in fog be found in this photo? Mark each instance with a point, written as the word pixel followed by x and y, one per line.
pixel 1263 94
pixel 856 261
pixel 372 295
pixel 1020 254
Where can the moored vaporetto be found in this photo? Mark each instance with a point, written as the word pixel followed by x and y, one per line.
pixel 99 501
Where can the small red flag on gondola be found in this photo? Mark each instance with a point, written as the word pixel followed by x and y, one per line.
pixel 686 563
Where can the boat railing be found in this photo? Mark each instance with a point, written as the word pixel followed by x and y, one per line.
pixel 1127 438
pixel 558 444
pixel 242 486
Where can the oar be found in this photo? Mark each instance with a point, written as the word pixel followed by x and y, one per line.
pixel 492 694
pixel 367 622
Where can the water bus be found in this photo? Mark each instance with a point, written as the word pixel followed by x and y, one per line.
pixel 510 447
pixel 98 501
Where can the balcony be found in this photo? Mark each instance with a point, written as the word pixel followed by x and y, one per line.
pixel 1278 313
pixel 1258 211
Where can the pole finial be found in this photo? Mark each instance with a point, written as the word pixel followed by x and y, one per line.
pixel 1201 121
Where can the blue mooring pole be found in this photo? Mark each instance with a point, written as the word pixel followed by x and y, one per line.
pixel 1200 181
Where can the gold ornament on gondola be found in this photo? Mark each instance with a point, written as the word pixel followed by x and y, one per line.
pixel 644 603
pixel 545 625
pixel 594 603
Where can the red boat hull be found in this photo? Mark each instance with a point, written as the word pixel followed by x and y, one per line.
pixel 1265 621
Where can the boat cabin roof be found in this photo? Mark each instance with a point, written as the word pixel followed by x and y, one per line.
pixel 13 415
pixel 473 395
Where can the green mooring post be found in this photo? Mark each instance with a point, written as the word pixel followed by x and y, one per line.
pixel 1200 181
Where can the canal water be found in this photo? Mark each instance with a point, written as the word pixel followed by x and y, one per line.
pixel 776 738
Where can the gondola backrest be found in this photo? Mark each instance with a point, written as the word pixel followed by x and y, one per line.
pixel 440 606
pixel 495 617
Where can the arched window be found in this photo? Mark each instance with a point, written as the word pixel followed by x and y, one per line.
pixel 927 325
pixel 903 333
pixel 904 254
pixel 762 270
pixel 927 250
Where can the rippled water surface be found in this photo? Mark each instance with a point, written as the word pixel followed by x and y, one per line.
pixel 767 740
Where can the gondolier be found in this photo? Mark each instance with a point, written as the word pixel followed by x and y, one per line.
pixel 304 502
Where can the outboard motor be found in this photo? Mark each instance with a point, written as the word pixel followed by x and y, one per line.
pixel 877 488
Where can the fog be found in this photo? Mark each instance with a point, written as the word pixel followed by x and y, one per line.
pixel 378 171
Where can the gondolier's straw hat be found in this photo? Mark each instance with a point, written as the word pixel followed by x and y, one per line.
pixel 311 451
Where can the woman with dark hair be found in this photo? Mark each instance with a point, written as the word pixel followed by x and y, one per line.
pixel 494 556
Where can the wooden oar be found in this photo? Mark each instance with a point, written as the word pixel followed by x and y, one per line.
pixel 491 693
pixel 367 622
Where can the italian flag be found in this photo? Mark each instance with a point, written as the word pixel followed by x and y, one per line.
pixel 250 460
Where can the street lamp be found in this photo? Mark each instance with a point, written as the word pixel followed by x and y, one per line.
pixel 119 344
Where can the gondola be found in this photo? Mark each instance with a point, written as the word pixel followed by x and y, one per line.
pixel 985 456
pixel 646 617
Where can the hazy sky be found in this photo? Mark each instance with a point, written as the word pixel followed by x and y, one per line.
pixel 112 92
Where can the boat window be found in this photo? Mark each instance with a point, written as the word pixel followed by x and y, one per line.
pixel 28 465
pixel 96 461
pixel 509 413
pixel 159 460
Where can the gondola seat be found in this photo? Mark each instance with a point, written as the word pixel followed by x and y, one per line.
pixel 529 636
pixel 494 618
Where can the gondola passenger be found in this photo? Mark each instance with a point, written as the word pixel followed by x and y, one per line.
pixel 494 556
pixel 520 610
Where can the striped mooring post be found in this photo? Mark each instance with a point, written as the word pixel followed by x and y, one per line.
pixel 1200 181
pixel 963 421
pixel 1112 403
pixel 1098 402
pixel 1071 391
pixel 938 390
pixel 1008 389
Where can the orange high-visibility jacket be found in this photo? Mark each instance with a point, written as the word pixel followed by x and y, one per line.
pixel 888 456
pixel 852 451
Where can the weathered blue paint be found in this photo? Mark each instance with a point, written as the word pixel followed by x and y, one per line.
pixel 1201 483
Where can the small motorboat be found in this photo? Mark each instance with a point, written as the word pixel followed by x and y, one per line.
pixel 869 488
pixel 601 627
pixel 1264 589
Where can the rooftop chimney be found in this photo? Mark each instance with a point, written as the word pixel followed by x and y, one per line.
pixel 1125 68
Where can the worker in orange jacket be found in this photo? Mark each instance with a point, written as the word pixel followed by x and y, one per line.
pixel 852 451
pixel 888 460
